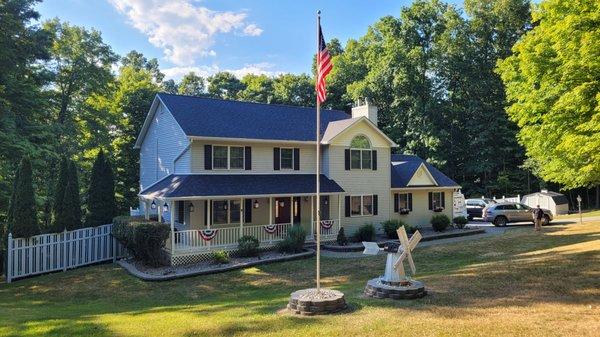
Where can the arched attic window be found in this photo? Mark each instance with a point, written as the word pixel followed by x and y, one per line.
pixel 361 154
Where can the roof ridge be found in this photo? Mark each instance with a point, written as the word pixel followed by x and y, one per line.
pixel 248 102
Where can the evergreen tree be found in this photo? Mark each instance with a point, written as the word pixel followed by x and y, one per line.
pixel 101 193
pixel 71 218
pixel 58 209
pixel 24 218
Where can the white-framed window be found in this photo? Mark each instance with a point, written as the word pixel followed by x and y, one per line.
pixel 225 212
pixel 286 158
pixel 228 157
pixel 436 200
pixel 361 154
pixel 361 205
pixel 403 202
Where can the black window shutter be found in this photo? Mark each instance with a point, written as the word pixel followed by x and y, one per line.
pixel 430 200
pixel 205 210
pixel 443 199
pixel 396 202
pixel 208 157
pixel 296 159
pixel 248 158
pixel 347 205
pixel 247 210
pixel 410 201
pixel 276 164
pixel 347 159
pixel 374 159
pixel 375 206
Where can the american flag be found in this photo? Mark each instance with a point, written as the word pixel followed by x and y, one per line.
pixel 324 66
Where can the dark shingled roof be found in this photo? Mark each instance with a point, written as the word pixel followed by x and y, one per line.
pixel 206 185
pixel 208 117
pixel 404 167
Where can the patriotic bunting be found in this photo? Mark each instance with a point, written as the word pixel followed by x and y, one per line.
pixel 207 234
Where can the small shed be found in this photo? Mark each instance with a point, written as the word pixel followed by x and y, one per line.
pixel 554 202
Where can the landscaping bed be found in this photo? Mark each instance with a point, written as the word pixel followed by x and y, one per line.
pixel 427 233
pixel 166 273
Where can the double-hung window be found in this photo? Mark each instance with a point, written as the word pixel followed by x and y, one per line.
pixel 436 200
pixel 228 157
pixel 225 212
pixel 361 205
pixel 361 155
pixel 287 159
pixel 403 202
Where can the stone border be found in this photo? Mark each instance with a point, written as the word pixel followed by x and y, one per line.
pixel 299 304
pixel 356 247
pixel 376 289
pixel 157 278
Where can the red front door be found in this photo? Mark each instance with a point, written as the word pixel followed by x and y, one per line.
pixel 282 211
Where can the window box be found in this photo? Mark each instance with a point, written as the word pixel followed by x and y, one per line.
pixel 404 211
pixel 438 209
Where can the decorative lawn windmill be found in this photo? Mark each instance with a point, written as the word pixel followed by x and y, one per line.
pixel 394 283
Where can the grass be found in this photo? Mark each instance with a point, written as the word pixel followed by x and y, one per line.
pixel 584 213
pixel 519 283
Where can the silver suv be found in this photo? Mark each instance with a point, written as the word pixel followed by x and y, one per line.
pixel 503 213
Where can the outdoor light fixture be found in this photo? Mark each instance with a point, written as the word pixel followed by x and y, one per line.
pixel 191 207
pixel 326 202
pixel 305 199
pixel 256 204
pixel 153 205
pixel 165 207
pixel 281 204
pixel 225 206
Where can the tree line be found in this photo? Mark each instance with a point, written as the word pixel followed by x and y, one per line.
pixel 443 78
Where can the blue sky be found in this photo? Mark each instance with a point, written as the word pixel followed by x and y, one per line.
pixel 207 36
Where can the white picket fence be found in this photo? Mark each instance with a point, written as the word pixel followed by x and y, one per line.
pixel 60 251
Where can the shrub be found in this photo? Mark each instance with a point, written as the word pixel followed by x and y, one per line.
pixel 391 226
pixel 293 242
pixel 145 239
pixel 460 221
pixel 248 246
pixel 365 232
pixel 23 220
pixel 101 193
pixel 341 239
pixel 220 257
pixel 440 222
pixel 410 229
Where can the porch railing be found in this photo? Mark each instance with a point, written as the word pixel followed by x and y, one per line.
pixel 326 233
pixel 227 237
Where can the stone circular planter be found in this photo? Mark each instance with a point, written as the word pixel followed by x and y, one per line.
pixel 377 289
pixel 308 302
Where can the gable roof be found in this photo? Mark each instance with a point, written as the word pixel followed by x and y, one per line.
pixel 405 166
pixel 217 118
pixel 223 185
pixel 335 128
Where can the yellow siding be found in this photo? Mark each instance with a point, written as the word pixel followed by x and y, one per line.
pixel 421 214
pixel 363 127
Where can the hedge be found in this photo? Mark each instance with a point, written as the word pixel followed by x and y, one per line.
pixel 145 239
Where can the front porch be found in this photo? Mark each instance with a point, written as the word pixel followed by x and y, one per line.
pixel 201 224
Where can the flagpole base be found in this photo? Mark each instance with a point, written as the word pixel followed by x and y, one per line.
pixel 309 302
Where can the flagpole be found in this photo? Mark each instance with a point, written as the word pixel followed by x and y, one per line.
pixel 318 170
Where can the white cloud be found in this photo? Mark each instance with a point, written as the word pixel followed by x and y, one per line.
pixel 252 30
pixel 263 68
pixel 183 30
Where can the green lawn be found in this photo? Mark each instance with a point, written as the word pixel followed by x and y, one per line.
pixel 584 213
pixel 520 283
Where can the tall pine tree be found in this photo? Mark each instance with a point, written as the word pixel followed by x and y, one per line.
pixel 101 193
pixel 72 201
pixel 24 218
pixel 58 208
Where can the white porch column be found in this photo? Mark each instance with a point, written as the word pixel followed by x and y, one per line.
pixel 312 218
pixel 159 207
pixel 146 210
pixel 172 218
pixel 242 212
pixel 292 211
pixel 270 210
pixel 208 212
pixel 339 197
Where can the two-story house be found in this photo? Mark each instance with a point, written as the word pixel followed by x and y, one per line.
pixel 219 169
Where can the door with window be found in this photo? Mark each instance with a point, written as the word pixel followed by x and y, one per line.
pixel 282 210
